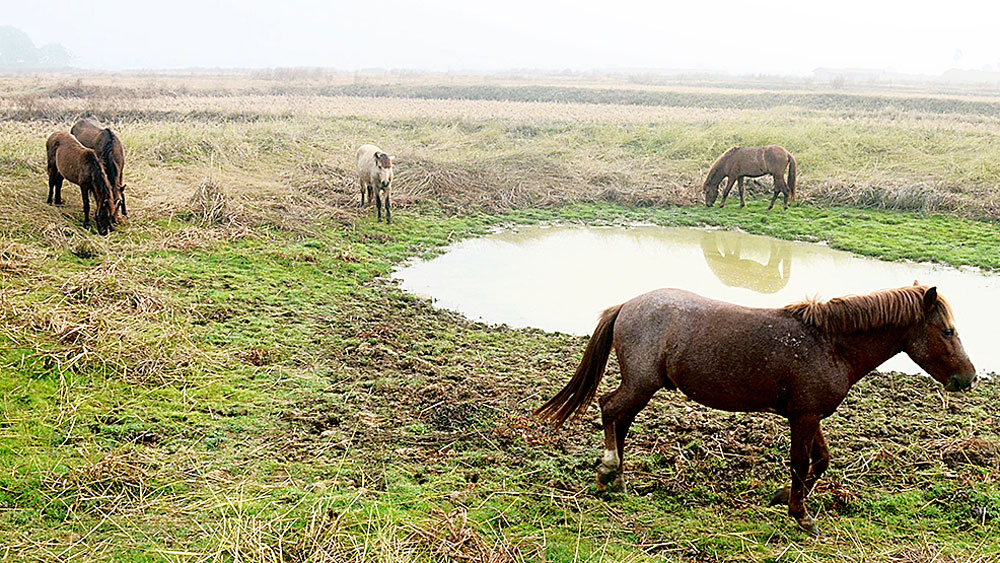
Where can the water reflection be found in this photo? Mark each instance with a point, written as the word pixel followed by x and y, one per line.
pixel 561 278
pixel 730 255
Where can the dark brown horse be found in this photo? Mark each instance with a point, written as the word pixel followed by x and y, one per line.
pixel 742 162
pixel 798 361
pixel 108 147
pixel 68 159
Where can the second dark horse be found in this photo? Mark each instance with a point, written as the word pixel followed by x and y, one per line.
pixel 108 147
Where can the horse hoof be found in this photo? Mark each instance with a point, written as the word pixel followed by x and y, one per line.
pixel 780 497
pixel 605 476
pixel 618 485
pixel 808 526
pixel 611 483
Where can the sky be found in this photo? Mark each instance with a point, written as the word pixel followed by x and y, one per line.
pixel 744 37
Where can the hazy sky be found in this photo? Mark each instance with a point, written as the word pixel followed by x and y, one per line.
pixel 746 36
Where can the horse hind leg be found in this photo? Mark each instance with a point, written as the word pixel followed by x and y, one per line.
pixel 55 186
pixel 780 186
pixel 618 409
pixel 774 197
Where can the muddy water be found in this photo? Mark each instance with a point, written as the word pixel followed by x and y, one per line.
pixel 561 278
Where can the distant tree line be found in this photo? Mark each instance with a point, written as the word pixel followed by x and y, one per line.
pixel 17 51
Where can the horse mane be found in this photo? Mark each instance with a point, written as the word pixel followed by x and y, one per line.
pixel 715 173
pixel 99 179
pixel 903 306
pixel 106 145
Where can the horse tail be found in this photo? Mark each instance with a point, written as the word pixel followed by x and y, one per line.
pixel 574 398
pixel 51 145
pixel 791 177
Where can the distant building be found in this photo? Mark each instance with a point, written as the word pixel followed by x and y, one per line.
pixel 850 75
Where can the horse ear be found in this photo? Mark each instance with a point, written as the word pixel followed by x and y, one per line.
pixel 930 298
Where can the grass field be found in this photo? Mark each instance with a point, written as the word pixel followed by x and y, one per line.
pixel 232 376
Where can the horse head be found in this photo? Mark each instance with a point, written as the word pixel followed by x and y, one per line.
pixel 934 345
pixel 711 193
pixel 104 196
pixel 383 163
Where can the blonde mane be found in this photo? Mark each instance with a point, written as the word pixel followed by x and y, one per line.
pixel 890 307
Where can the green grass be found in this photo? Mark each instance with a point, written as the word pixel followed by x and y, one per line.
pixel 392 419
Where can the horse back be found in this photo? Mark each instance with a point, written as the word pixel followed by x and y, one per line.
pixel 105 143
pixel 776 156
pixel 73 161
pixel 86 131
pixel 721 355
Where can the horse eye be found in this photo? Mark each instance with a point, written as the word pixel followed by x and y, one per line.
pixel 949 332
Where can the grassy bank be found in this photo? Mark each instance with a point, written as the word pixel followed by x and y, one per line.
pixel 231 376
pixel 272 395
pixel 901 151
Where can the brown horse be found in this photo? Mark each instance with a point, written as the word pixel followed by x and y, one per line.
pixel 741 162
pixel 108 147
pixel 70 160
pixel 798 361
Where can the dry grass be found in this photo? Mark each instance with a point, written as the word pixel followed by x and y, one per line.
pixel 210 206
pixel 452 538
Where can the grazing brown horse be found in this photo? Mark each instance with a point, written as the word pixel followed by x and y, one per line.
pixel 70 160
pixel 108 147
pixel 741 162
pixel 798 361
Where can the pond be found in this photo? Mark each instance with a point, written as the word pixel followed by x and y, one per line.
pixel 559 278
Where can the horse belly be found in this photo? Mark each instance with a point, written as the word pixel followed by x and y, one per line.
pixel 732 388
pixel 739 371
pixel 68 167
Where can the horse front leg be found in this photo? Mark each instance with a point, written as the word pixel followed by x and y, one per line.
pixel 804 430
pixel 388 215
pixel 820 462
pixel 86 207
pixel 743 202
pixel 725 193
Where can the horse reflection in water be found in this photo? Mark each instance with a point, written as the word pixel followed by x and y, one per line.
pixel 724 253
